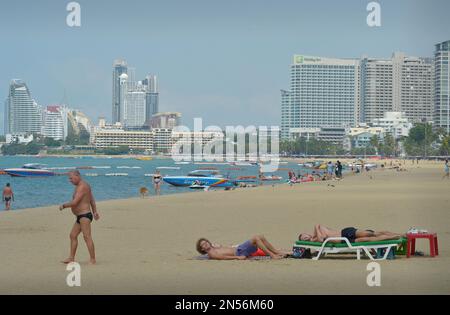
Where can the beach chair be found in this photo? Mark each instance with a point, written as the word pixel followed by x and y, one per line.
pixel 344 246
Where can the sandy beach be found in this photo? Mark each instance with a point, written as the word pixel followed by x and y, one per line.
pixel 147 246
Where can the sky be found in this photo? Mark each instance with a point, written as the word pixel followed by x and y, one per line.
pixel 222 60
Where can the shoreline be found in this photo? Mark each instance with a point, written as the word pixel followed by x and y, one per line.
pixel 346 174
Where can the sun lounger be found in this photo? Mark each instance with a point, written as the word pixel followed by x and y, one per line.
pixel 344 246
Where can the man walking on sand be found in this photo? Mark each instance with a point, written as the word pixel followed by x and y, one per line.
pixel 7 196
pixel 84 208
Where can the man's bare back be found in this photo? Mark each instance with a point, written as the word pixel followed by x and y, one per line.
pixel 7 196
pixel 7 192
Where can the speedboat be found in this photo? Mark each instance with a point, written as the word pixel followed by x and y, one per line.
pixel 29 170
pixel 202 178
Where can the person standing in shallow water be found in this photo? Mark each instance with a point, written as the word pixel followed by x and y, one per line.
pixel 157 183
pixel 7 196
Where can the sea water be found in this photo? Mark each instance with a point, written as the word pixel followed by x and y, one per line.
pixel 33 192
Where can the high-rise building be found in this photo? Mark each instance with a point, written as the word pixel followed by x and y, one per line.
pixel 376 88
pixel 119 67
pixel 127 89
pixel 286 117
pixel 134 108
pixel 132 103
pixel 55 122
pixel 324 92
pixel 442 86
pixel 151 97
pixel 22 113
pixel 123 90
pixel 400 84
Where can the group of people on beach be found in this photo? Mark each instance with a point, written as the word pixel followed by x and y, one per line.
pixel 333 171
pixel 258 245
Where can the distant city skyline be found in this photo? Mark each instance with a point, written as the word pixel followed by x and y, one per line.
pixel 225 61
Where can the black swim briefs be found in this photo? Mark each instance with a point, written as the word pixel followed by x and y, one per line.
pixel 85 215
pixel 349 233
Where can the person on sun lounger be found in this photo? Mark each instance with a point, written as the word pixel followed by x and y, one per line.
pixel 354 235
pixel 242 251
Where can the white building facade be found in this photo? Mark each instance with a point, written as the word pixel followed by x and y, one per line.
pixel 22 113
pixel 324 92
pixel 55 122
pixel 401 83
pixel 394 123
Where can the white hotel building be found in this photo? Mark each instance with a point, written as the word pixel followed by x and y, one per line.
pixel 110 136
pixel 341 93
pixel 399 84
pixel 55 122
pixel 155 140
pixel 324 92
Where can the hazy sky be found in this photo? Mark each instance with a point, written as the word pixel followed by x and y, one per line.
pixel 222 60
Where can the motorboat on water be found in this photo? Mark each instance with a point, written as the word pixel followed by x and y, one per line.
pixel 29 170
pixel 202 178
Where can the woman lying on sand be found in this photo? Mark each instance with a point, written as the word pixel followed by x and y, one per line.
pixel 242 251
pixel 353 235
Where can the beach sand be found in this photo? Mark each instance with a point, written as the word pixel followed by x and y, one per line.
pixel 147 246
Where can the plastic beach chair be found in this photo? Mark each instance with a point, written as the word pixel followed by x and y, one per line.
pixel 344 246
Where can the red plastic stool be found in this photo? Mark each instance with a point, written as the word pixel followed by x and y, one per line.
pixel 411 245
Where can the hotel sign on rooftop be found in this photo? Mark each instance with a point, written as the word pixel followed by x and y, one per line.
pixel 299 59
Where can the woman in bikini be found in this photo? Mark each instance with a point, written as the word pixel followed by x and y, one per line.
pixel 157 183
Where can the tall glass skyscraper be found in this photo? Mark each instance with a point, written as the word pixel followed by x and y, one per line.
pixel 119 67
pixel 442 86
pixel 151 97
pixel 22 113
pixel 324 93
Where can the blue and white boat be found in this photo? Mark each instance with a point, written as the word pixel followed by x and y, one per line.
pixel 29 170
pixel 200 178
